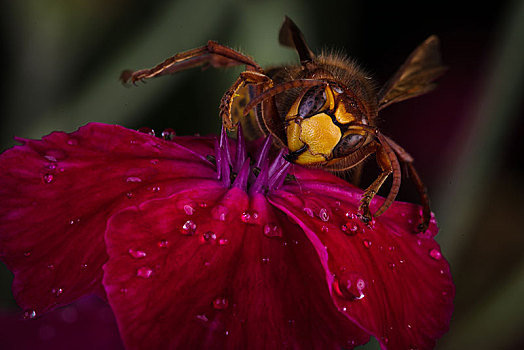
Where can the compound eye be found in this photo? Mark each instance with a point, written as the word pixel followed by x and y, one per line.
pixel 312 102
pixel 347 145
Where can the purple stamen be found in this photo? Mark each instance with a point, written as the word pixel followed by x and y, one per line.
pixel 242 177
pixel 241 150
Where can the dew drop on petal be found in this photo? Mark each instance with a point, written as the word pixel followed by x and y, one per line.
pixel 220 303
pixel 435 254
pixel 74 221
pixel 223 241
pixel 272 230
pixel 202 204
pixel 219 212
pixel 29 314
pixel 137 254
pixel 163 243
pixel 189 228
pixel 133 179
pixel 144 272
pixel 155 188
pixel 54 155
pixel 349 286
pixel 249 217
pixel 367 243
pixel 57 291
pixel 168 134
pixel 48 178
pixel 309 212
pixel 202 317
pixel 189 210
pixel 209 236
pixel 51 266
pixel 349 228
pixel 265 260
pixel 26 254
pixel 72 142
pixel 323 214
pixel 130 195
pixel 392 266
pixel 146 130
pixel 154 161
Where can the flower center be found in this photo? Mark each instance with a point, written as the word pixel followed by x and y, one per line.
pixel 258 174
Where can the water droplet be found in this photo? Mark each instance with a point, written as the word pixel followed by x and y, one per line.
pixel 133 179
pixel 202 317
pixel 349 286
pixel 309 212
pixel 220 303
pixel 323 214
pixel 265 260
pixel 29 314
pixel 26 254
pixel 219 212
pixel 391 248
pixel 163 243
pixel 74 221
pixel 144 272
pixel 48 178
pixel 249 217
pixel 209 236
pixel 324 229
pixel 189 228
pixel 189 210
pixel 435 254
pixel 392 266
pixel 155 188
pixel 168 134
pixel 202 205
pixel 349 228
pixel 409 326
pixel 272 230
pixel 53 155
pixel 130 195
pixel 51 266
pixel 137 254
pixel 72 142
pixel 147 130
pixel 123 290
pixel 57 291
pixel 367 243
pixel 351 215
pixel 83 267
pixel 223 241
pixel 154 161
pixel 51 166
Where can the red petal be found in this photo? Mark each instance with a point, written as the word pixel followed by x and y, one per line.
pixel 85 325
pixel 393 283
pixel 232 273
pixel 56 195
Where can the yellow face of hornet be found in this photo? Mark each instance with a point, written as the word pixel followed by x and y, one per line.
pixel 318 126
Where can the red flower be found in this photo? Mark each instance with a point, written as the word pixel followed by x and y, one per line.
pixel 198 244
